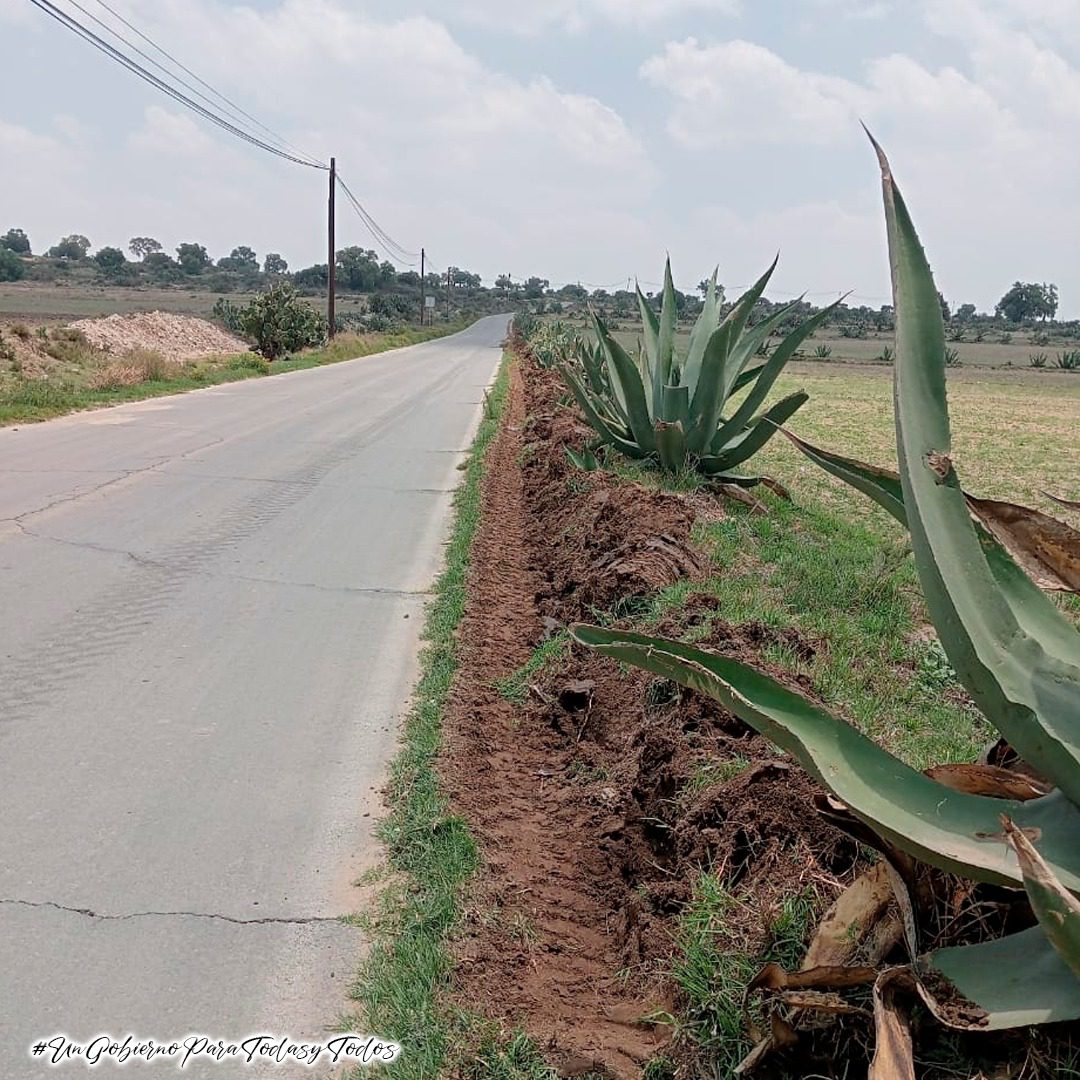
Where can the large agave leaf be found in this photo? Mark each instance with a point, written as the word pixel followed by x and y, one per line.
pixel 665 344
pixel 1016 981
pixel 758 432
pixel 649 354
pixel 746 347
pixel 1057 910
pixel 601 424
pixel 671 445
pixel 707 404
pixel 629 391
pixel 740 313
pixel 675 405
pixel 706 323
pixel 769 374
pixel 745 378
pixel 1038 618
pixel 950 829
pixel 1029 694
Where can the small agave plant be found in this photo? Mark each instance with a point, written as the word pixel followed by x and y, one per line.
pixel 1019 659
pixel 675 409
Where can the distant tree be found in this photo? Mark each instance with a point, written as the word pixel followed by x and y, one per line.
pixel 945 313
pixel 504 282
pixel 463 279
pixel 311 277
pixel 16 240
pixel 358 270
pixel 573 292
pixel 74 246
pixel 1028 300
pixel 410 278
pixel 245 257
pixel 965 312
pixel 141 246
pixel 11 266
pixel 535 288
pixel 703 288
pixel 192 258
pixel 275 264
pixel 161 267
pixel 110 260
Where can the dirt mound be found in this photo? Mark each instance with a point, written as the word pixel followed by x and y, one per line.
pixel 176 337
pixel 598 542
pixel 601 800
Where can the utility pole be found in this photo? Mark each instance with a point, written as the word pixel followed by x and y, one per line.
pixel 449 271
pixel 423 298
pixel 331 261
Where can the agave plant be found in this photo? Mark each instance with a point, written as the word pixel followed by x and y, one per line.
pixel 553 342
pixel 672 408
pixel 1017 656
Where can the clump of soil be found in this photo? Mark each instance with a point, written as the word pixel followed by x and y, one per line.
pixel 176 337
pixel 595 542
pixel 600 801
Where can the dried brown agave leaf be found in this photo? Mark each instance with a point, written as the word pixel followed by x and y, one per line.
pixel 990 780
pixel 848 923
pixel 893 1051
pixel 1047 549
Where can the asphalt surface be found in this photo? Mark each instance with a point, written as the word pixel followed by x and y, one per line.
pixel 211 610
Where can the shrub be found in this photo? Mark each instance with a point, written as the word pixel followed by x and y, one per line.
pixel 228 314
pixel 11 266
pixel 279 322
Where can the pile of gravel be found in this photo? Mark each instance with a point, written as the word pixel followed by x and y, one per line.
pixel 176 337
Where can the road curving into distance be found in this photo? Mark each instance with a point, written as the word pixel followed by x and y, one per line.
pixel 212 605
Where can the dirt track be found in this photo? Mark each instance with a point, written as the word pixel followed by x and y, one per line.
pixel 592 831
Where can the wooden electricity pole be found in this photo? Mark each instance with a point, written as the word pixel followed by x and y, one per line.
pixel 331 261
pixel 449 271
pixel 423 297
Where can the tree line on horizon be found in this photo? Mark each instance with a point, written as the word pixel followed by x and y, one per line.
pixel 361 270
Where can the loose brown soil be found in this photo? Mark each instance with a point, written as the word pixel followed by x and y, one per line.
pixel 592 802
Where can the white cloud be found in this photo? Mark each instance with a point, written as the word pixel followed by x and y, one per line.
pixel 171 134
pixel 737 91
pixel 575 16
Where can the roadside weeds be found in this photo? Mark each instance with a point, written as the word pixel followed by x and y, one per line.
pixel 430 851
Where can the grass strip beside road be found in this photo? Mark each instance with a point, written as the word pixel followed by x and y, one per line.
pixel 26 400
pixel 430 851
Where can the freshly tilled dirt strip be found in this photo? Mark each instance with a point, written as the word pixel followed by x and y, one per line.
pixel 587 799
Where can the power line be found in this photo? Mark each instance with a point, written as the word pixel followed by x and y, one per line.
pixel 393 249
pixel 380 234
pixel 230 106
pixel 137 69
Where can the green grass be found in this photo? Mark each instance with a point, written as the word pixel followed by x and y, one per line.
pixel 25 400
pixel 515 687
pixel 712 967
pixel 401 986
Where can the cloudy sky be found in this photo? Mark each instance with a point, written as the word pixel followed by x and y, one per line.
pixel 575 139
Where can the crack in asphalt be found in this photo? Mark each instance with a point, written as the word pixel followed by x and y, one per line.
pixel 88 913
pixel 159 564
pixel 119 475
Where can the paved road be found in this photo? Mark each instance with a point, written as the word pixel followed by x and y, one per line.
pixel 211 605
